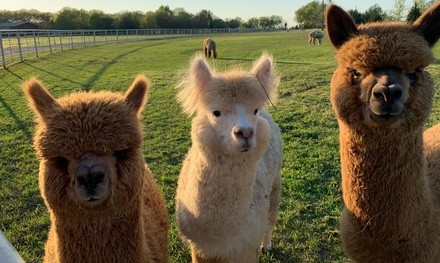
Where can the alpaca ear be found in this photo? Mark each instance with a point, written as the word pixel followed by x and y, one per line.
pixel 40 100
pixel 201 71
pixel 137 93
pixel 428 24
pixel 340 26
pixel 264 70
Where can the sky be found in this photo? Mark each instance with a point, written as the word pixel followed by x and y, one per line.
pixel 224 9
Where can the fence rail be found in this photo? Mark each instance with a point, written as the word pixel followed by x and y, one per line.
pixel 16 45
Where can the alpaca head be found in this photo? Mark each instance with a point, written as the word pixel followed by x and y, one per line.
pixel 89 145
pixel 227 105
pixel 381 79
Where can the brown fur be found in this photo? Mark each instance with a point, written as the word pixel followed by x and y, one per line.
pixel 210 48
pixel 382 96
pixel 315 37
pixel 99 133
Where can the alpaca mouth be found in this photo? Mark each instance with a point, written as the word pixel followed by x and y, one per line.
pixel 387 117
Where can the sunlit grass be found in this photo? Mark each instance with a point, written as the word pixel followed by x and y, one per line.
pixel 307 229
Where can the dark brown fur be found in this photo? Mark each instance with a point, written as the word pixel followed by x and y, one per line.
pixel 128 222
pixel 392 209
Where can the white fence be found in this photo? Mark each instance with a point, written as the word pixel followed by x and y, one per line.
pixel 16 45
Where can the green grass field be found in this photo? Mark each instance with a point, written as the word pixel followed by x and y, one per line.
pixel 307 229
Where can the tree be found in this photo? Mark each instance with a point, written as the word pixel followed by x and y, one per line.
pixel 129 20
pixel 149 20
pixel 414 13
pixel 99 20
pixel 357 16
pixel 203 19
pixel 182 19
pixel 311 15
pixel 164 17
pixel 233 23
pixel 71 18
pixel 374 13
pixel 399 9
pixel 252 23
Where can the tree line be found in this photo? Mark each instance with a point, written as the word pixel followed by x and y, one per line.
pixel 311 15
pixel 71 18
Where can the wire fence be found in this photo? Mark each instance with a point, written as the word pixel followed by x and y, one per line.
pixel 17 45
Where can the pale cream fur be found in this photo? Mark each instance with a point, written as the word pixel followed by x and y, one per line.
pixel 227 200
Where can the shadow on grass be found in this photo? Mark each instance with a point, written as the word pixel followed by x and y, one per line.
pixel 21 124
pixel 278 61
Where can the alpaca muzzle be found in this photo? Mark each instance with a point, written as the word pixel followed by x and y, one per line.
pixel 386 99
pixel 91 180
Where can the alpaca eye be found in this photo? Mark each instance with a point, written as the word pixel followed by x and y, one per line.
pixel 412 77
pixel 217 113
pixel 61 162
pixel 255 111
pixel 121 154
pixel 355 75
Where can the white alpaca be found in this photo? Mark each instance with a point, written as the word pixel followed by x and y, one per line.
pixel 229 186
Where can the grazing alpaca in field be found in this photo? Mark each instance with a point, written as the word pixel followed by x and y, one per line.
pixel 382 96
pixel 316 36
pixel 229 186
pixel 210 48
pixel 103 201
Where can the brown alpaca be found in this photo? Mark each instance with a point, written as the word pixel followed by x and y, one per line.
pixel 316 36
pixel 210 48
pixel 382 96
pixel 103 201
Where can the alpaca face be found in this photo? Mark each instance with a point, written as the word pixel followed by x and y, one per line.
pixel 380 79
pixel 235 127
pixel 88 144
pixel 227 105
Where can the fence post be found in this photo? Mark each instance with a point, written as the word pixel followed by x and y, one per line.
pixel 3 51
pixel 19 46
pixel 35 43
pixel 50 44
pixel 61 40
pixel 94 38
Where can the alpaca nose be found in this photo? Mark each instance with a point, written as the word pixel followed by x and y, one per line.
pixel 244 132
pixel 90 177
pixel 387 93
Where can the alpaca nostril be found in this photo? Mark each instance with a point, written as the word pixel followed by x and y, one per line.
pixel 244 133
pixel 388 94
pixel 97 174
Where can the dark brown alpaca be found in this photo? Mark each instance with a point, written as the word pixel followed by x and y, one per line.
pixel 382 96
pixel 103 201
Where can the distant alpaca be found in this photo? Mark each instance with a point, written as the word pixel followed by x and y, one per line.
pixel 103 201
pixel 382 96
pixel 316 36
pixel 210 48
pixel 229 187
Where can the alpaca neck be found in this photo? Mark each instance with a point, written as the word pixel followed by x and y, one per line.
pixel 383 176
pixel 234 174
pixel 111 234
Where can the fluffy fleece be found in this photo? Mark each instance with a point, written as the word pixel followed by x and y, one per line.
pixel 229 187
pixel 210 48
pixel 382 96
pixel 103 201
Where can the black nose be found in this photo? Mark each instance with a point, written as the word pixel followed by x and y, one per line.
pixel 90 177
pixel 387 93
